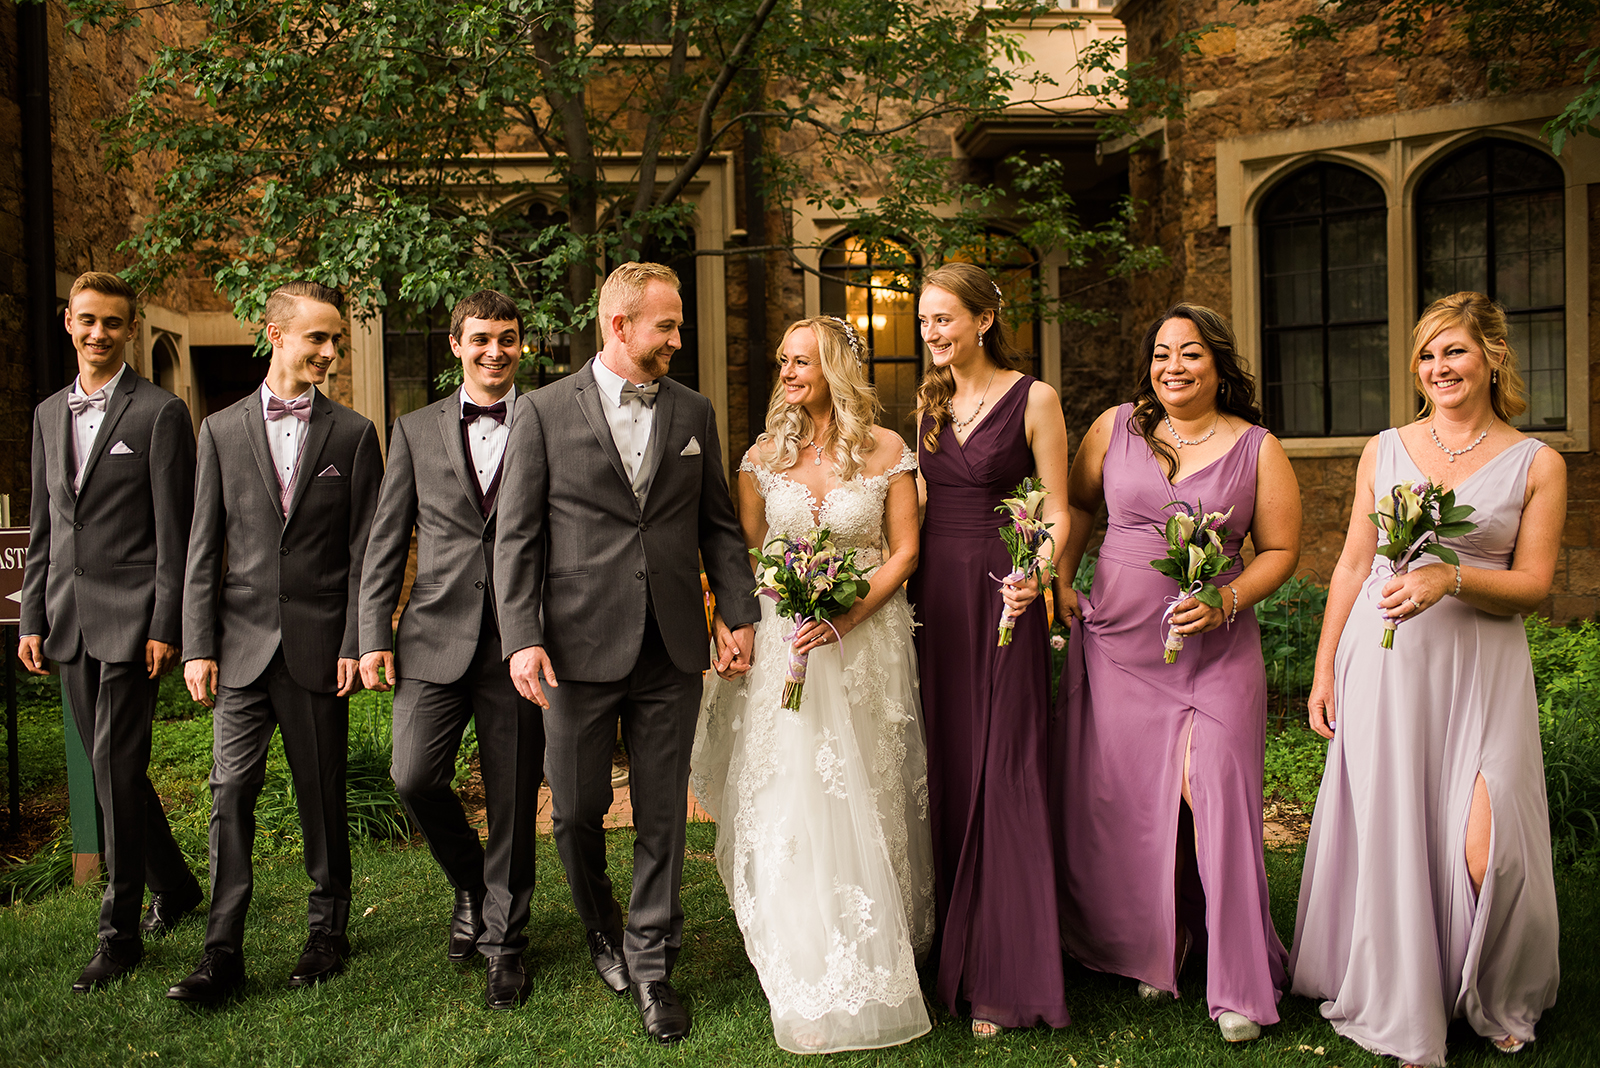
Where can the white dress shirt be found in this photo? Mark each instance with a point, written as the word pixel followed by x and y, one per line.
pixel 630 423
pixel 486 439
pixel 285 437
pixel 86 427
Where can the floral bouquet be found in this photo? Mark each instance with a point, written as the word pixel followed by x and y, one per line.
pixel 810 578
pixel 1413 517
pixel 1024 536
pixel 1194 554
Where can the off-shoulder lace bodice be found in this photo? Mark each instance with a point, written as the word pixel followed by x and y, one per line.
pixel 852 511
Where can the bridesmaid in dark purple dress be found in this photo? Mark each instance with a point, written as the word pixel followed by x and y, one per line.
pixel 1158 792
pixel 984 426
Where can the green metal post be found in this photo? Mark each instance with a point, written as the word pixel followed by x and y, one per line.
pixel 86 839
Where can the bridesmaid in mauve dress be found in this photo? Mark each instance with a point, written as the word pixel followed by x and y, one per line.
pixel 1158 796
pixel 985 708
pixel 1428 892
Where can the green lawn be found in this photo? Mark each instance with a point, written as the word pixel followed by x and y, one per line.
pixel 400 1004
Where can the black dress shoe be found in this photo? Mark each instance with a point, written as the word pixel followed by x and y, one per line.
pixel 322 959
pixel 666 1018
pixel 465 926
pixel 219 977
pixel 111 961
pixel 609 962
pixel 508 983
pixel 166 910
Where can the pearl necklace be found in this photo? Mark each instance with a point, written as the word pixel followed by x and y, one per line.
pixel 1182 441
pixel 962 424
pixel 1453 453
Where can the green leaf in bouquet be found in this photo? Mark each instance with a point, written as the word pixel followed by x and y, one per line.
pixel 1169 567
pixel 1214 566
pixel 1209 595
pixel 1172 529
pixel 1455 530
pixel 1456 514
pixel 1443 552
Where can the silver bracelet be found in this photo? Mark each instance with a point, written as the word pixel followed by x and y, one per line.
pixel 1235 613
pixel 1457 591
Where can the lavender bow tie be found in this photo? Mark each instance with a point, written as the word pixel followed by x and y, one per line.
pixel 78 403
pixel 300 408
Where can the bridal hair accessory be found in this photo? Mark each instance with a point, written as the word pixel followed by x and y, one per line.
pixel 857 347
pixel 999 296
pixel 1413 518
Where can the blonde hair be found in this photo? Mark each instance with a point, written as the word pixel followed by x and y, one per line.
pixel 1485 320
pixel 855 404
pixel 284 303
pixel 977 292
pixel 624 289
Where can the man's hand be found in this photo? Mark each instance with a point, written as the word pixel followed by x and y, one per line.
pixel 159 657
pixel 370 665
pixel 349 676
pixel 201 678
pixel 527 667
pixel 30 650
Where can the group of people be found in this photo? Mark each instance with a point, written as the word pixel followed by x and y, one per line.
pixel 927 816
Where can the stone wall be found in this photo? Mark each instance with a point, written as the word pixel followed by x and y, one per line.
pixel 1246 79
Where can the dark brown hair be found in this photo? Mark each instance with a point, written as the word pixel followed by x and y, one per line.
pixel 977 292
pixel 1236 388
pixel 487 304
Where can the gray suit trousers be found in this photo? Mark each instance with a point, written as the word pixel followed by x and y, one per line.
pixel 429 718
pixel 657 704
pixel 112 706
pixel 316 733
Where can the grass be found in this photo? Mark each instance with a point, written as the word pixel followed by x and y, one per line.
pixel 400 1004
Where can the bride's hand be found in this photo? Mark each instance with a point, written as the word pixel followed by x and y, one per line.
pixel 817 633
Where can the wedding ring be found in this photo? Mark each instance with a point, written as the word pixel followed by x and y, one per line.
pixel 1415 603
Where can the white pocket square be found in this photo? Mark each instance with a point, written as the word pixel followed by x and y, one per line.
pixel 329 471
pixel 691 449
pixel 120 449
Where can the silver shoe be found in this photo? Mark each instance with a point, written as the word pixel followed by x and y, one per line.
pixel 1237 1028
pixel 1152 993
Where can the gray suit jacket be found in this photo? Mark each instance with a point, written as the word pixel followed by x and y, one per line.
pixel 577 555
pixel 429 485
pixel 105 563
pixel 293 582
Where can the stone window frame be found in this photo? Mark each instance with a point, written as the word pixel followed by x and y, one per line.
pixel 1397 151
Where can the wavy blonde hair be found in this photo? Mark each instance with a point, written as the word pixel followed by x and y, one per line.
pixel 855 404
pixel 1485 320
pixel 978 293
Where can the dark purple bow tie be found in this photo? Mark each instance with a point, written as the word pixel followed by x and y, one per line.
pixel 495 411
pixel 300 407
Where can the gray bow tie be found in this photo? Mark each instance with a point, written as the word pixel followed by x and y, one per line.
pixel 645 395
pixel 78 403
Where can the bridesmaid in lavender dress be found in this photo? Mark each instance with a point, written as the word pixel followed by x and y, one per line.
pixel 1158 796
pixel 1428 893
pixel 984 426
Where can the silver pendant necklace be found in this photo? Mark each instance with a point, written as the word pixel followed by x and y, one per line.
pixel 1453 453
pixel 1182 441
pixel 962 424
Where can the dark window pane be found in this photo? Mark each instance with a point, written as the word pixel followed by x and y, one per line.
pixel 1464 175
pixel 1291 280
pixel 873 293
pixel 1358 379
pixel 1358 276
pixel 1294 374
pixel 1299 196
pixel 1539 339
pixel 1350 190
pixel 1519 168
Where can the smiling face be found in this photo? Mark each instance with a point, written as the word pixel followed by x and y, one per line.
pixel 949 328
pixel 800 371
pixel 304 347
pixel 101 326
pixel 489 350
pixel 1183 371
pixel 649 337
pixel 1453 370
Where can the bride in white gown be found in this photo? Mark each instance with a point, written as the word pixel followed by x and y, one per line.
pixel 822 814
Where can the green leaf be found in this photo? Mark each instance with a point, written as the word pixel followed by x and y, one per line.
pixel 1209 595
pixel 1443 552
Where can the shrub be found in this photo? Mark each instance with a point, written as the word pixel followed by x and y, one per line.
pixel 1566 672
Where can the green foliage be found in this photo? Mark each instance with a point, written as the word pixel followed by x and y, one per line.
pixel 1522 44
pixel 366 146
pixel 1291 626
pixel 1294 760
pixel 44 873
pixel 1566 671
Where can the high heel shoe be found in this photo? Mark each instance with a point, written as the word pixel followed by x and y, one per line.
pixel 1238 1028
pixel 1509 1044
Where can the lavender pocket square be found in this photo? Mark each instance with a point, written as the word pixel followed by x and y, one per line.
pixel 119 449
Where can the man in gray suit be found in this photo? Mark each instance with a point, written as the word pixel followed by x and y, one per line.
pixel 613 495
pixel 443 479
pixel 113 489
pixel 286 486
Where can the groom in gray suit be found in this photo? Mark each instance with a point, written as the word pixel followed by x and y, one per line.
pixel 443 480
pixel 613 497
pixel 113 488
pixel 287 481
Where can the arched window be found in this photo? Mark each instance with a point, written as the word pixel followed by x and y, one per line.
pixel 1325 309
pixel 416 350
pixel 1016 271
pixel 872 288
pixel 1491 218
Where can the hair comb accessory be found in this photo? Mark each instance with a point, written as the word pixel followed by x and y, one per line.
pixel 1001 297
pixel 853 339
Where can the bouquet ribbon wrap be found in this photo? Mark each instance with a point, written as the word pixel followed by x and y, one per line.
pixel 1386 570
pixel 1008 622
pixel 794 677
pixel 1173 645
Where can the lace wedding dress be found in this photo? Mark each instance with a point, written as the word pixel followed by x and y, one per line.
pixel 822 814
